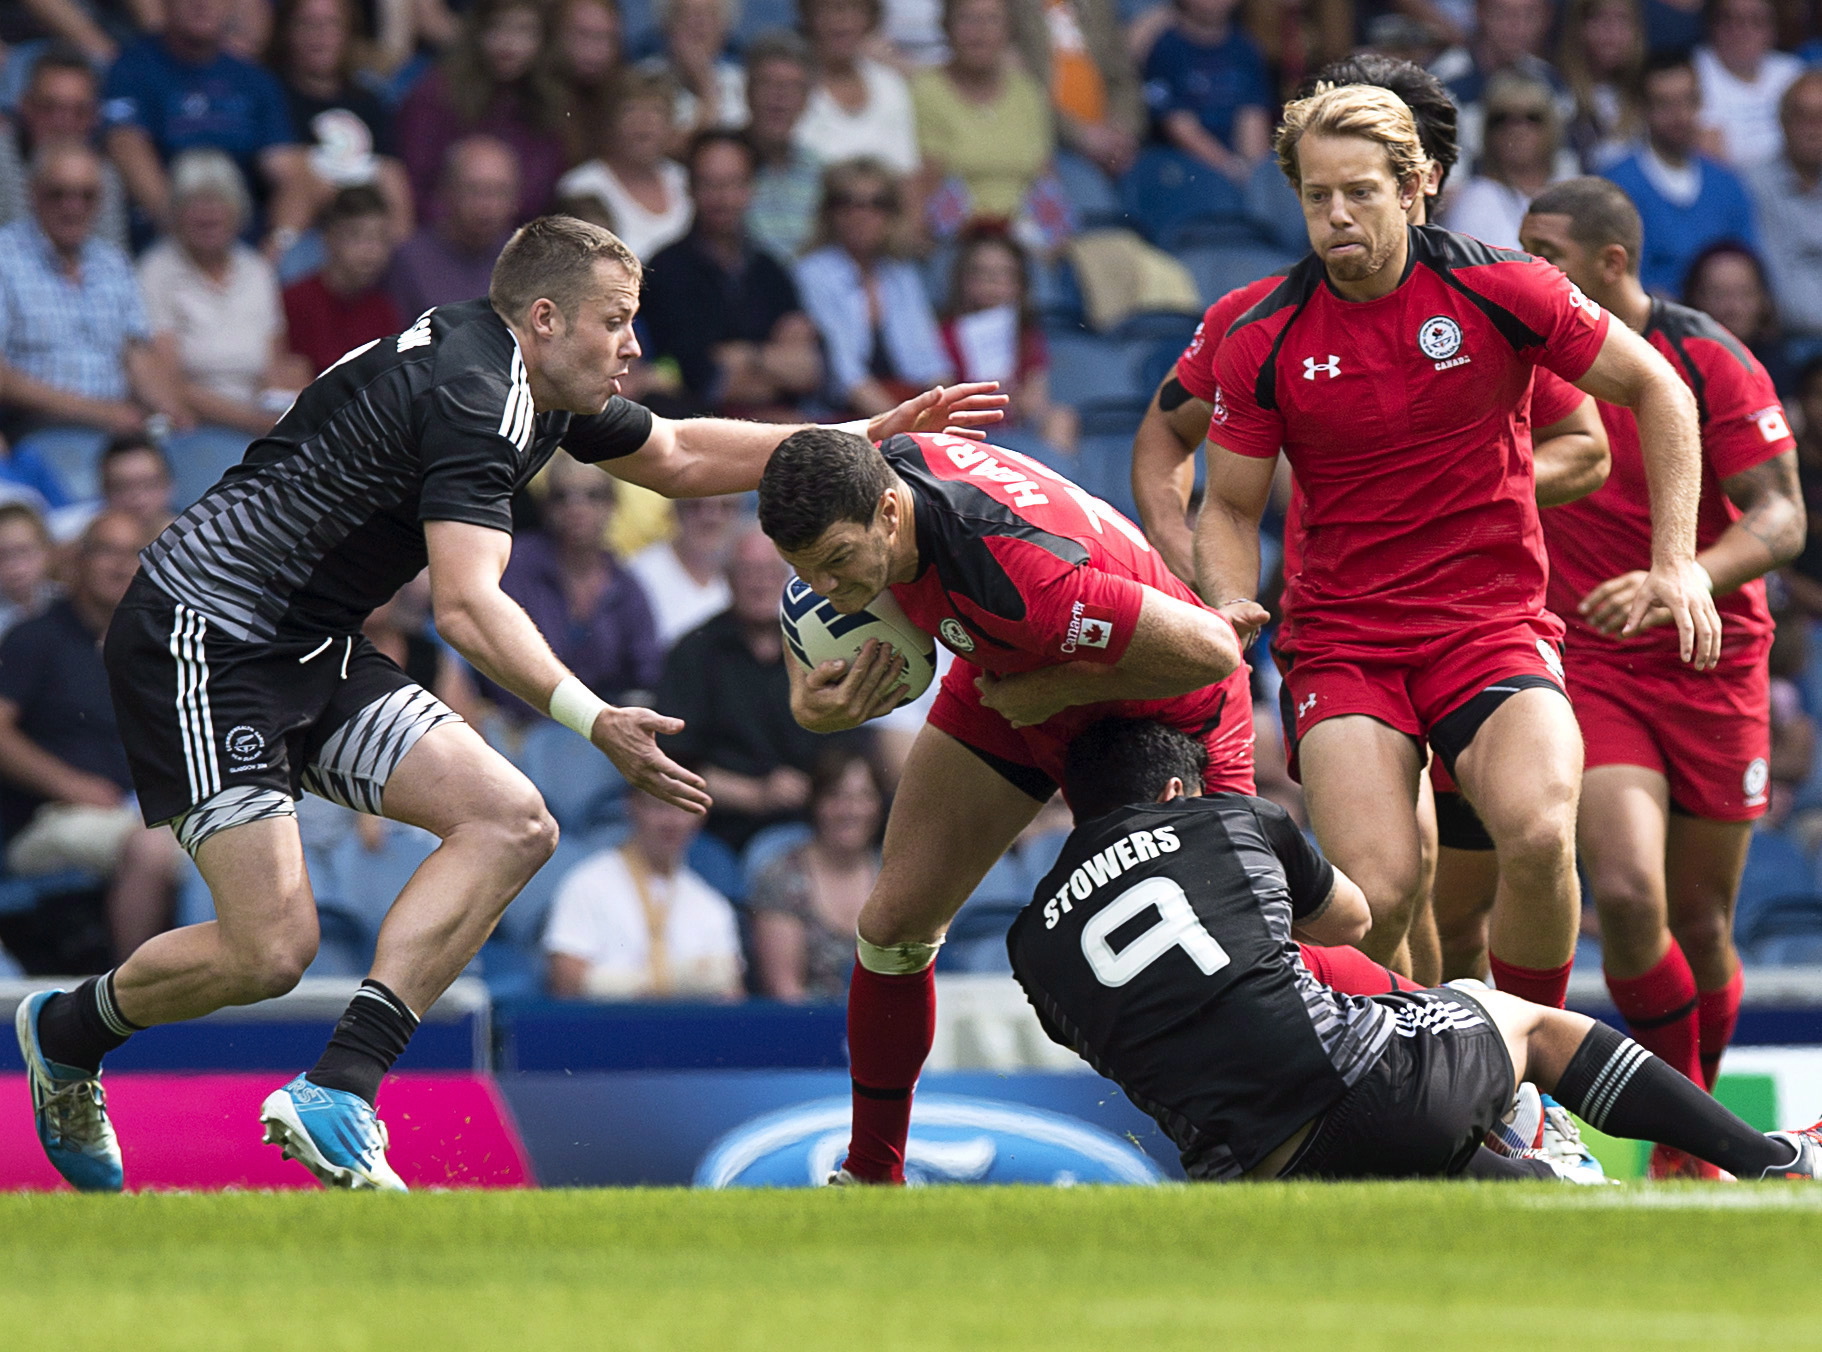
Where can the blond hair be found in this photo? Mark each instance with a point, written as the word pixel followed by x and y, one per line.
pixel 1365 111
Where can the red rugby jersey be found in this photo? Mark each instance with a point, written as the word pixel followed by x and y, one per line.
pixel 1406 422
pixel 1018 567
pixel 1609 531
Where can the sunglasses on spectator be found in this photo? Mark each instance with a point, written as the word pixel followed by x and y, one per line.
pixel 558 496
pixel 879 203
pixel 1533 116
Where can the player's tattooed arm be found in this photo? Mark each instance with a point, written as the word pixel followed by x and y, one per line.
pixel 1164 472
pixel 1343 918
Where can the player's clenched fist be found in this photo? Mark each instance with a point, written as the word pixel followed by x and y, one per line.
pixel 629 738
pixel 836 696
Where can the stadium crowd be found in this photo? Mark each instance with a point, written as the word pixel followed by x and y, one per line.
pixel 205 203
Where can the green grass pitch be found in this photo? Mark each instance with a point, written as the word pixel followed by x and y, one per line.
pixel 1339 1267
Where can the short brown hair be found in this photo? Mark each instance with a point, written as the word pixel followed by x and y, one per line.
pixel 1599 214
pixel 1365 111
pixel 553 258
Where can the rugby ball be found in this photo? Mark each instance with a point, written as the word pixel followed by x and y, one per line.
pixel 816 632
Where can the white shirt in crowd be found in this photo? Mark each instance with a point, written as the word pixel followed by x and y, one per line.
pixel 679 602
pixel 644 935
pixel 224 329
pixel 884 129
pixel 642 230
pixel 1745 112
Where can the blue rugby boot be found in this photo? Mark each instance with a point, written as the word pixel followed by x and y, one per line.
pixel 69 1109
pixel 332 1133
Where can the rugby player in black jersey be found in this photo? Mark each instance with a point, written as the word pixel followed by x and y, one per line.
pixel 241 677
pixel 1160 949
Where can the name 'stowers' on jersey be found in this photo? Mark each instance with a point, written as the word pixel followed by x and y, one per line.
pixel 1418 529
pixel 1058 611
pixel 242 678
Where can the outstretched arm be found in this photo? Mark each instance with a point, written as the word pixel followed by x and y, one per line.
pixel 493 632
pixel 706 457
pixel 1164 472
pixel 1227 535
pixel 1629 371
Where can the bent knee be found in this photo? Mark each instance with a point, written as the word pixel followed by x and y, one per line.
pixel 271 970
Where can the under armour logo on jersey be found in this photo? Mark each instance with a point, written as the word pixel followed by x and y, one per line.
pixel 1304 707
pixel 1332 366
pixel 418 335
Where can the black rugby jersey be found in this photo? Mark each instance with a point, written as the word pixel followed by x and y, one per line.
pixel 1159 948
pixel 322 521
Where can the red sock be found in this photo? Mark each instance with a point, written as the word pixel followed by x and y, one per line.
pixel 1660 1010
pixel 891 1023
pixel 1717 1013
pixel 1351 972
pixel 1539 985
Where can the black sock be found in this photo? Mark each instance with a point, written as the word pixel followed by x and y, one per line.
pixel 77 1028
pixel 366 1042
pixel 1618 1087
pixel 1490 1164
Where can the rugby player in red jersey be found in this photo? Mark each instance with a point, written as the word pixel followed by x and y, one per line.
pixel 1569 451
pixel 1391 368
pixel 1676 762
pixel 1059 614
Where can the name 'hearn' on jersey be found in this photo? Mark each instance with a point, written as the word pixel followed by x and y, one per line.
pixel 322 521
pixel 1159 948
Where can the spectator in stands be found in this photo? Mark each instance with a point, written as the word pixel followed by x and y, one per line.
pixel 646 193
pixel 74 339
pixel 1686 200
pixel 1727 282
pixel 60 104
pixel 401 629
pixel 65 793
pixel 136 482
pixel 1298 37
pixel 878 332
pixel 1075 50
pixel 346 130
pixel 990 333
pixel 727 682
pixel 1601 56
pixel 592 612
pixel 708 88
pixel 1510 35
pixel 26 588
pixel 983 123
pixel 726 311
pixel 1673 25
pixel 180 89
pixel 588 59
pixel 806 901
pixel 95 31
pixel 1208 89
pixel 859 108
pixel 1743 77
pixel 453 259
pixel 1523 134
pixel 337 309
pixel 637 923
pixel 1793 730
pixel 788 185
pixel 497 79
pixel 685 577
pixel 1787 195
pixel 218 302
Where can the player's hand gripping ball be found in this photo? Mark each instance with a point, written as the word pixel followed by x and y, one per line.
pixel 816 632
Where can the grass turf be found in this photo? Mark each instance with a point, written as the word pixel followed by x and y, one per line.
pixel 1516 1266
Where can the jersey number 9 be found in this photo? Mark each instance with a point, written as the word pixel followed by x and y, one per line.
pixel 1177 927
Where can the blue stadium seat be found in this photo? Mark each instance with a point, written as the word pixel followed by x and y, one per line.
pixel 72 454
pixel 765 846
pixel 1220 269
pixel 1092 194
pixel 1775 869
pixel 717 865
pixel 580 786
pixel 199 458
pixel 371 880
pixel 760 16
pixel 1173 198
pixel 1783 932
pixel 1085 367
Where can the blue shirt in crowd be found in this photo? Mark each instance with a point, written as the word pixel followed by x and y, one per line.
pixel 1676 231
pixel 70 333
pixel 1213 82
pixel 227 104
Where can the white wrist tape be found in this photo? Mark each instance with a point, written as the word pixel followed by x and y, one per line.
pixel 895 959
pixel 576 707
pixel 858 427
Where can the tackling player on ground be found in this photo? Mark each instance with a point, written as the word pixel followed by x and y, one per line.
pixel 1676 761
pixel 1058 612
pixel 241 676
pixel 1417 608
pixel 1159 949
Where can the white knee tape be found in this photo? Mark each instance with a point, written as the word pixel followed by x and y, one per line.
pixel 895 959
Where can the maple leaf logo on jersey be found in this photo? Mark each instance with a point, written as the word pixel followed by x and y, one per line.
pixel 1439 338
pixel 1089 627
pixel 1772 424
